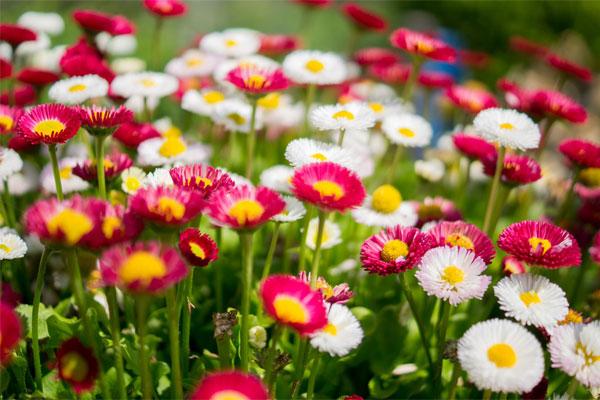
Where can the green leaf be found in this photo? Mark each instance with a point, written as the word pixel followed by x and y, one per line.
pixel 382 388
pixel 19 367
pixel 366 317
pixel 25 310
pixel 160 376
pixel 61 329
pixel 52 385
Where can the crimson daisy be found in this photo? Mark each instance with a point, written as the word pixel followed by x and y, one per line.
pixel 524 45
pixel 113 166
pixel 93 21
pixel 469 99
pixel 436 209
pixel 395 73
pixel 132 133
pixel 77 365
pixel 122 26
pixel 9 117
pixel 277 44
pixel 568 67
pixel 473 147
pixel 230 385
pixel 16 34
pixel 49 123
pixel 375 55
pixel 517 169
pixel 21 95
pixel 114 225
pixel 170 206
pixel 435 79
pixel 37 76
pixel 197 248
pixel 85 64
pixel 253 79
pixel 462 234
pixel 512 265
pixel 515 96
pixel 364 18
pixel 11 331
pixel 100 121
pixel 558 105
pixel 166 8
pixel 6 68
pixel 423 45
pixel 204 179
pixel 581 152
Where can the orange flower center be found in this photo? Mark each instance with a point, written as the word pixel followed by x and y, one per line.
pixel 453 275
pixel 255 81
pixel 502 355
pixel 507 125
pixel 230 43
pixel 330 329
pixel 236 118
pixel 319 156
pixel 229 395
pixel 171 147
pixel 393 250
pixel 406 132
pixel 193 62
pixel 142 266
pixel 376 107
pixel 270 101
pixel 386 199
pixel 65 173
pixel 197 250
pixel 530 298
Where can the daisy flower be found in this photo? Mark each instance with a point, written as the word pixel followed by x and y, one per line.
pixel 331 234
pixel 568 67
pixel 192 63
pixel 393 74
pixel 146 84
pixel 291 301
pixel 24 181
pixel 293 211
pixel 516 96
pixel 469 99
pixel 78 89
pixel 575 349
pixel 501 356
pixel 430 170
pixel 10 163
pixel 113 166
pixel 277 178
pixel 166 8
pixel 512 265
pixel 132 133
pixel 77 365
pixel 338 294
pixel 235 115
pixel 141 268
pixel 385 208
pixel 244 207
pixel 277 44
pixel 453 274
pixel 199 250
pixel 540 243
pixel 436 209
pixel 301 152
pixel 375 55
pixel 341 335
pixel 203 179
pixel 114 225
pixel 256 60
pixel 462 234
pixel 101 121
pixel 92 21
pixel 47 22
pixel 69 181
pixel 14 34
pixel 363 18
pixel 49 123
pixel 329 186
pixel 172 150
pixel 532 300
pixel 558 105
pixel 435 79
pixel 202 102
pixel 230 384
pixel 422 45
pixel 473 147
pixel 132 180
pixel 314 67
pixel 169 206
pixel 37 77
pixel 517 170
pixel 580 152
pixel 231 42
pixel 407 130
pixel 508 128
pixel 256 80
pixel 9 116
pixel 354 115
pixel 393 250
pixel 11 246
pixel 159 177
pixel 11 331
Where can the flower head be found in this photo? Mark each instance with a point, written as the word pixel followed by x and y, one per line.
pixel 407 130
pixel 69 181
pixel 114 224
pixel 202 102
pixel 341 335
pixel 581 152
pixel 385 208
pixel 331 234
pixel 469 99
pixel 508 128
pixel 516 170
pixel 293 211
pixel 436 209
pixel 9 117
pixel 256 80
pixel 49 123
pixel 435 79
pixel 275 44
pixel 11 246
pixel 93 21
pixel 303 151
pixel 170 150
pixel 568 67
pixel 516 97
pixel 558 105
pixel 11 331
pixel 364 18
pixel 278 178
pixel 77 365
pixel 526 46
pixel 100 121
pixel 192 63
pixel 113 166
pixel 167 206
pixel 15 34
pixel 512 265
pixel 236 115
pixel 203 179
pixel 132 133
pixel 338 294
pixel 166 8
pixel 10 163
pixel 146 84
pixel 422 45
pixel 354 115
pixel 198 249
pixel 314 67
pixel 392 73
pixel 375 55
pixel 462 234
pixel 230 384
pixel 78 89
pixel 37 76
pixel 473 147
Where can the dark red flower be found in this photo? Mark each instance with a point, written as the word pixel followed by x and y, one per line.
pixel 423 45
pixel 8 296
pixel 569 67
pixel 20 145
pixel 166 8
pixel 538 392
pixel 5 68
pixel 436 209
pixel 581 152
pixel 37 76
pixel 23 95
pixel 278 44
pixel 122 26
pixel 198 249
pixel 589 212
pixel 132 133
pixel 523 45
pixel 595 249
pixel 314 3
pixel 474 59
pixel 15 34
pixel 363 18
pixel 77 365
pixel 517 170
pixel 551 102
pixel 101 121
pixel 435 79
pixel 79 65
pixel 93 21
pixel 81 47
pixel 113 166
pixel 473 147
pixel 11 331
pixel 376 55
pixel 396 73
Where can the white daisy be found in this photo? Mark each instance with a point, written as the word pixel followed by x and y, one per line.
pixel 300 152
pixel 146 84
pixel 236 115
pixel 293 211
pixel 261 62
pixel 23 181
pixel 231 42
pixel 373 91
pixel 10 163
pixel 48 59
pixel 342 333
pixel 159 177
pixel 277 178
pixel 119 45
pixel 138 104
pixel 132 179
pixel 431 170
pixel 124 65
pixel 202 102
pixel 383 109
pixel 354 115
pixel 453 274
pixel 172 150
pixel 11 247
pixel 78 89
pixel 280 111
pixel 30 47
pixel 385 209
pixel 508 128
pixel 69 182
pixel 502 356
pixel 315 67
pixel 47 22
pixel 532 300
pixel 407 130
pixel 575 349
pixel 192 63
pixel 331 234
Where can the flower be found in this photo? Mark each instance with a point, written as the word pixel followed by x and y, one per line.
pixel 144 268
pixel 407 130
pixel 540 243
pixel 236 115
pixel 501 356
pixel 338 294
pixel 49 123
pixel 538 392
pixel 524 45
pixel 257 337
pixel 11 246
pixel 78 89
pixel 351 116
pixel 11 331
pixel 473 147
pixel 436 209
pixel 244 207
pixel 171 150
pixel 462 234
pixel 453 274
pixel 9 116
pixel 202 102
pixel 100 121
pixel 469 99
pixel 114 225
pixel 329 186
pixel 422 45
pixel 37 76
pixel 231 42
pixel 70 182
pixel 385 208
pixel 203 179
pixel 230 384
pixel 198 249
pixel 432 170
pixel 159 177
pixel 515 96
pixel 293 211
pixel 575 349
pixel 93 21
pixel 568 67
pixel 133 179
pixel 77 365
pixel 581 152
pixel 291 301
pixel 375 55
pixel 303 151
pixel 132 133
pixel 146 84
pixel 278 178
pixel 342 333
pixel 47 22
pixel 508 128
pixel 595 249
pixel 396 73
pixel 556 104
pixel 6 68
pixel 10 163
pixel 393 250
pixel 253 79
pixel 15 34
pixel 113 166
pixel 364 18
pixel 84 64
pixel 166 8
pixel 516 170
pixel 275 44
pixel 532 299
pixel 331 234
pixel 220 73
pixel 24 181
pixel 170 206
pixel 512 265
pixel 192 63
pixel 435 79
pixel 314 67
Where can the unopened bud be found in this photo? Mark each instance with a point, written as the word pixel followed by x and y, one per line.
pixel 258 337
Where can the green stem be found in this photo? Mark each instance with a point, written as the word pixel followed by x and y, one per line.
pixel 303 349
pixel 115 330
pixel 487 395
pixel 271 252
pixel 572 389
pixel 302 255
pixel 246 241
pixel 39 283
pixel 141 309
pixel 417 62
pixel 174 344
pixel 219 274
pixel 223 347
pixel 186 323
pixel 310 97
pixel 341 137
pixel 10 207
pixel 100 166
pixel 55 171
pixel 313 377
pixel 269 374
pixel 503 193
pixel 156 43
pixel 441 342
pixel 394 165
pixel 566 205
pixel 487 226
pixel 314 270
pixel 456 370
pixel 251 141
pixel 503 396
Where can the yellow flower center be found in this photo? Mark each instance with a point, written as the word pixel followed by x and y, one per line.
pixel 376 107
pixel 406 132
pixel 169 208
pixel 530 298
pixel 386 199
pixel 236 118
pixel 246 211
pixel 255 81
pixel 197 179
pixel 314 66
pixel 453 275
pixel 142 266
pixel 132 183
pixel 147 82
pixel 228 395
pixel 393 250
pixel 330 328
pixel 110 225
pixel 48 127
pixel 591 176
pixel 289 310
pixel 507 125
pixel 192 62
pixel 432 211
pixel 535 242
pixel 74 366
pixel 173 131
pixel 328 189
pixel 424 47
pixel 571 318
pixel 197 250
pixel 319 156
pixel 343 114
pixel 71 223
pixel 230 43
pixel 77 88
pixel 65 173
pixel 325 288
pixel 6 122
pixel 590 357
pixel 502 355
pixel 323 238
pixel 6 250
pixel 456 239
pixel 213 97
pixel 171 147
pixel 270 101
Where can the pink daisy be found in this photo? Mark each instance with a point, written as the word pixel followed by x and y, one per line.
pixel 114 225
pixel 113 166
pixel 364 18
pixel 77 365
pixel 512 265
pixel 376 55
pixel 166 206
pixel 515 96
pixel 435 79
pixel 473 147
pixel 524 45
pixel 132 133
pixel 277 44
pixel 396 73
pixel 36 76
pixel 9 117
pixel 203 179
pixel 459 233
pixel 581 152
pixel 93 21
pixel 101 121
pixel 166 8
pixel 198 249
pixel 558 105
pixel 471 100
pixel 230 385
pixel 517 170
pixel 49 123
pixel 422 45
pixel 436 209
pixel 15 34
pixel 338 294
pixel 256 80
pixel 569 67
pixel 474 59
pixel 11 331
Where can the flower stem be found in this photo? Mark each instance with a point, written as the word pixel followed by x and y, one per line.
pixel 246 241
pixel 251 141
pixel 314 270
pixel 487 395
pixel 156 43
pixel 39 283
pixel 341 137
pixel 572 389
pixel 271 252
pixel 440 354
pixel 176 385
pixel 100 166
pixel 300 365
pixel 269 375
pixel 487 225
pixel 141 309
pixel 115 330
pixel 310 97
pixel 566 205
pixel 456 370
pixel 313 377
pixel 55 171
pixel 417 62
pixel 186 323
pixel 394 164
pixel 219 274
pixel 302 254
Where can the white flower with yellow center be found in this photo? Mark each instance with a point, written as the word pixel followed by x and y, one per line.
pixel 502 356
pixel 280 111
pixel 23 181
pixel 407 130
pixel 508 128
pixel 293 211
pixel 383 109
pixel 315 67
pixel 171 150
pixel 277 178
pixel 373 91
pixel 192 63
pixel 453 274
pixel 124 65
pixel 119 45
pixel 10 163
pixel 331 234
pixel 341 335
pixel 532 300
pixel 47 22
pixel 78 89
pixel 256 60
pixel 431 170
pixel 132 179
pixel 202 102
pixel 145 84
pixel 69 181
pixel 11 246
pixel 354 115
pixel 234 42
pixel 236 115
pixel 30 47
pixel 159 177
pixel 300 152
pixel 385 208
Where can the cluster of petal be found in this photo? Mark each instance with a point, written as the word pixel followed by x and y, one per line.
pixel 166 205
pixel 517 169
pixel 49 123
pixel 341 335
pixel 581 152
pixel 77 365
pixel 470 99
pixel 462 234
pixel 197 248
pixel 203 179
pixel 508 128
pixel 113 166
pixel 11 331
pixel 473 147
pixel 422 45
pixel 253 79
pixel 230 384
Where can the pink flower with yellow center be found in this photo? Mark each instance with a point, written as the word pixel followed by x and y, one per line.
pixel 375 55
pixel 423 45
pixel 473 147
pixel 517 170
pixel 471 100
pixel 132 133
pixel 198 249
pixel 393 250
pixel 101 121
pixel 113 166
pixel 49 123
pixel 166 8
pixel 291 301
pixel 436 209
pixel 540 243
pixel 9 117
pixel 149 268
pixel 329 186
pixel 115 225
pixel 244 207
pixel 331 294
pixel 230 385
pixel 77 365
pixel 461 234
pixel 203 179
pixel 556 104
pixel 512 265
pixel 257 80
pixel 581 152
pixel 167 206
